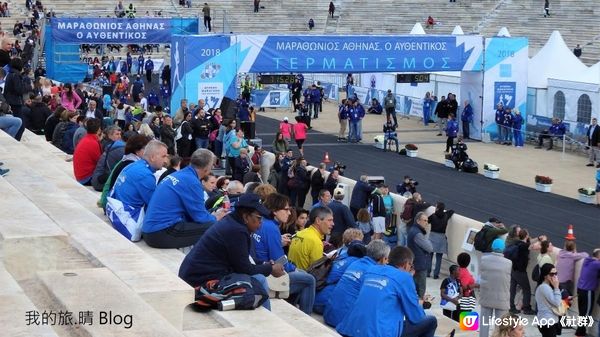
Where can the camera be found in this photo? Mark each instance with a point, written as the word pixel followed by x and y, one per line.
pixel 340 167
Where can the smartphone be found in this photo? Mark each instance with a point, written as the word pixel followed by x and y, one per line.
pixel 282 260
pixel 293 236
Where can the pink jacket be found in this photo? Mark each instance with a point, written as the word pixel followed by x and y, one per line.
pixel 286 130
pixel 300 131
pixel 70 105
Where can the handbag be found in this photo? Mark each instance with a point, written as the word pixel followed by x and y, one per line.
pixel 467 303
pixel 279 287
pixel 562 308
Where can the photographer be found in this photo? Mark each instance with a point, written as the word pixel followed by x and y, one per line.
pixel 409 185
pixel 17 84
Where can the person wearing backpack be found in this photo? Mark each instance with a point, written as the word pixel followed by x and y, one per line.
pixel 390 106
pixel 518 253
pixel 379 212
pixel 490 231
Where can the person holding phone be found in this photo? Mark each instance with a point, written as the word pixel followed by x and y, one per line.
pixel 548 300
pixel 269 242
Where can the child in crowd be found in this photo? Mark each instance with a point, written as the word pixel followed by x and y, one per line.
pixel 363 221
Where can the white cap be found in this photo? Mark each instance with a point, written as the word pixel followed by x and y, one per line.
pixel 338 191
pixel 285 118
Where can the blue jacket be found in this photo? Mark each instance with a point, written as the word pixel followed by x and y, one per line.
pixel 129 60
pixel 267 243
pixel 360 194
pixel 499 116
pixel 427 103
pixel 342 217
pixel 149 65
pixel 517 122
pixel 452 128
pixel 361 111
pixel 178 197
pixel 140 61
pixel 223 249
pixel 387 297
pixel 377 107
pixel 346 291
pixel 343 110
pixel 508 117
pixel 315 95
pixel 340 264
pixel 135 184
pixel 467 114
pixel 307 95
pixel 67 141
pixel 557 129
pixel 353 114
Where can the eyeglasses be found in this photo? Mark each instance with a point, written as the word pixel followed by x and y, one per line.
pixel 552 274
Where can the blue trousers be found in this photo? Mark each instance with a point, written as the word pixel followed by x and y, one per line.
pixel 353 131
pixel 201 143
pixel 263 280
pixel 302 286
pixel 518 137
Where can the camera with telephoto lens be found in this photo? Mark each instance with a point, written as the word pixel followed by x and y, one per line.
pixel 340 167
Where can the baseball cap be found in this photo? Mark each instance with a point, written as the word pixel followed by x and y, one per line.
pixel 252 201
pixel 338 191
pixel 285 118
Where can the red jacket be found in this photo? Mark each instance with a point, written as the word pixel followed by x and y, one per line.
pixel 85 157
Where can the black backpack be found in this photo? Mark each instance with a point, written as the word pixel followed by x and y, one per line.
pixel 320 270
pixel 480 242
pixel 512 252
pixel 232 292
pixel 469 166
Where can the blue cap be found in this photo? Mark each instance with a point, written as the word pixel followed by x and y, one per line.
pixel 251 200
pixel 498 246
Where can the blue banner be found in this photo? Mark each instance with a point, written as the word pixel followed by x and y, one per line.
pixel 358 53
pixel 270 98
pixel 111 30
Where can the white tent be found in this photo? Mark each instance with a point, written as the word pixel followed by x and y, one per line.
pixel 555 60
pixel 457 30
pixel 589 75
pixel 417 29
pixel 503 32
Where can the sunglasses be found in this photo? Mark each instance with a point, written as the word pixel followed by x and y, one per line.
pixel 552 274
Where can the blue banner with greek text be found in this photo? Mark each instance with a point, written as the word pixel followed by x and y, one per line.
pixel 112 30
pixel 358 53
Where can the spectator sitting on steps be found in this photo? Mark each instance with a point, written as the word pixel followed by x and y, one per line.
pixel 311 23
pixel 430 22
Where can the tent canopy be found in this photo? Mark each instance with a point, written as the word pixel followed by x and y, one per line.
pixel 555 60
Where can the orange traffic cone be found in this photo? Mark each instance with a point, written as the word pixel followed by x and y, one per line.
pixel 570 235
pixel 326 158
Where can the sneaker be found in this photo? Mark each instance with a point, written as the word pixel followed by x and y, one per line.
pixel 514 311
pixel 538 147
pixel 435 277
pixel 548 149
pixel 598 166
pixel 589 165
pixel 3 172
pixel 439 134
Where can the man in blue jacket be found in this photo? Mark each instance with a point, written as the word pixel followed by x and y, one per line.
pixel 556 130
pixel 507 126
pixel 354 119
pixel 499 118
pixel 360 195
pixel 342 217
pixel 149 67
pixel 140 64
pixel 346 291
pixel 176 215
pixel 387 304
pixel 226 248
pixel 136 183
pixel 315 98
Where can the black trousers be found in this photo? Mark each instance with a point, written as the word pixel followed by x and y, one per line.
pixel 391 111
pixel 149 75
pixel 449 143
pixel 585 304
pixel 466 131
pixel 182 234
pixel 16 109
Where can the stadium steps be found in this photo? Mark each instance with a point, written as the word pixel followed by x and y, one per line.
pixel 151 273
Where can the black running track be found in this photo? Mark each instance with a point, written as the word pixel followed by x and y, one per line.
pixel 471 195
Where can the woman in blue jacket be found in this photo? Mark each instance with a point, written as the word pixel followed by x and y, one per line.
pixel 427 107
pixel 467 119
pixel 268 244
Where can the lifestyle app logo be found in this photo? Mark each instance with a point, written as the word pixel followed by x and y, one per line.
pixel 469 321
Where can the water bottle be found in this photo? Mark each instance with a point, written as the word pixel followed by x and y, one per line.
pixel 226 203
